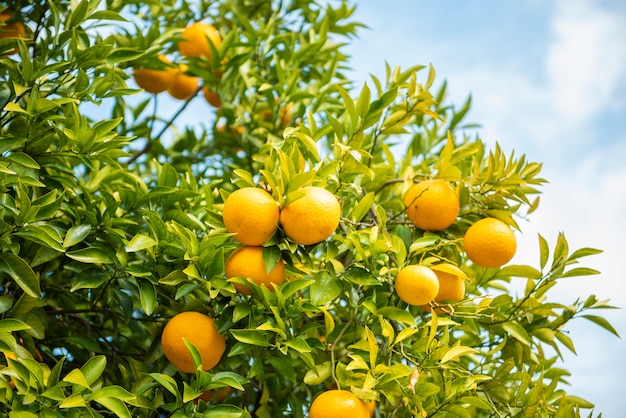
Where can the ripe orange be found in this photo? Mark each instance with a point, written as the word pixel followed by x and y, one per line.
pixel 14 29
pixel 490 243
pixel 183 86
pixel 247 262
pixel 153 81
pixel 198 329
pixel 432 205
pixel 311 218
pixel 451 284
pixel 338 403
pixel 370 406
pixel 251 214
pixel 212 97
pixel 196 43
pixel 417 285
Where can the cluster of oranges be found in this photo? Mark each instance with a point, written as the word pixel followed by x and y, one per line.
pixel 433 205
pixel 252 215
pixel 197 40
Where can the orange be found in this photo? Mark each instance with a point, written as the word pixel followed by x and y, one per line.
pixel 490 243
pixel 337 403
pixel 14 29
pixel 153 81
pixel 370 406
pixel 198 329
pixel 197 37
pixel 251 214
pixel 432 205
pixel 451 284
pixel 183 86
pixel 248 262
pixel 312 217
pixel 417 285
pixel 212 97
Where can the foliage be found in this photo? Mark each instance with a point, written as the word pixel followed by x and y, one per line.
pixel 110 224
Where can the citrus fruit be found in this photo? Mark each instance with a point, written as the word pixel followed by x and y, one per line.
pixel 490 243
pixel 212 97
pixel 312 217
pixel 198 329
pixel 183 86
pixel 247 262
pixel 451 282
pixel 337 403
pixel 417 285
pixel 370 406
pixel 451 285
pixel 153 81
pixel 432 205
pixel 196 40
pixel 11 29
pixel 251 214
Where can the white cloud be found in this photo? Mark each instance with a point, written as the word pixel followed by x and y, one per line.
pixel 586 62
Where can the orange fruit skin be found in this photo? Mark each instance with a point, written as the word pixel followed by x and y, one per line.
pixel 251 214
pixel 338 403
pixel 11 30
pixel 183 86
pixel 311 218
pixel 248 262
pixel 153 81
pixel 417 285
pixel 490 243
pixel 451 289
pixel 370 406
pixel 198 329
pixel 212 98
pixel 432 205
pixel 196 42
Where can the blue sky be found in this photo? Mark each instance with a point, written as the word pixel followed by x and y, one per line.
pixel 547 79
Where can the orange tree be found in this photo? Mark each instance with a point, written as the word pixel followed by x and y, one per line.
pixel 111 203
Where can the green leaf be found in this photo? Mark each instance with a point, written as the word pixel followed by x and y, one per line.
pixel 225 411
pixel 75 400
pixel 566 341
pixel 580 271
pixel 10 325
pixel 76 377
pixel 90 255
pixel 519 271
pixel 22 273
pixel 396 314
pixel 603 322
pixel 76 234
pixel 166 381
pixel 250 336
pixel 325 289
pixel 517 331
pixel 93 368
pixel 140 242
pixel 457 351
pixel 319 374
pixel 114 405
pixel 544 252
pixel 147 296
pixel 362 207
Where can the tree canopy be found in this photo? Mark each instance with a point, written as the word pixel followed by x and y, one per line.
pixel 111 204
